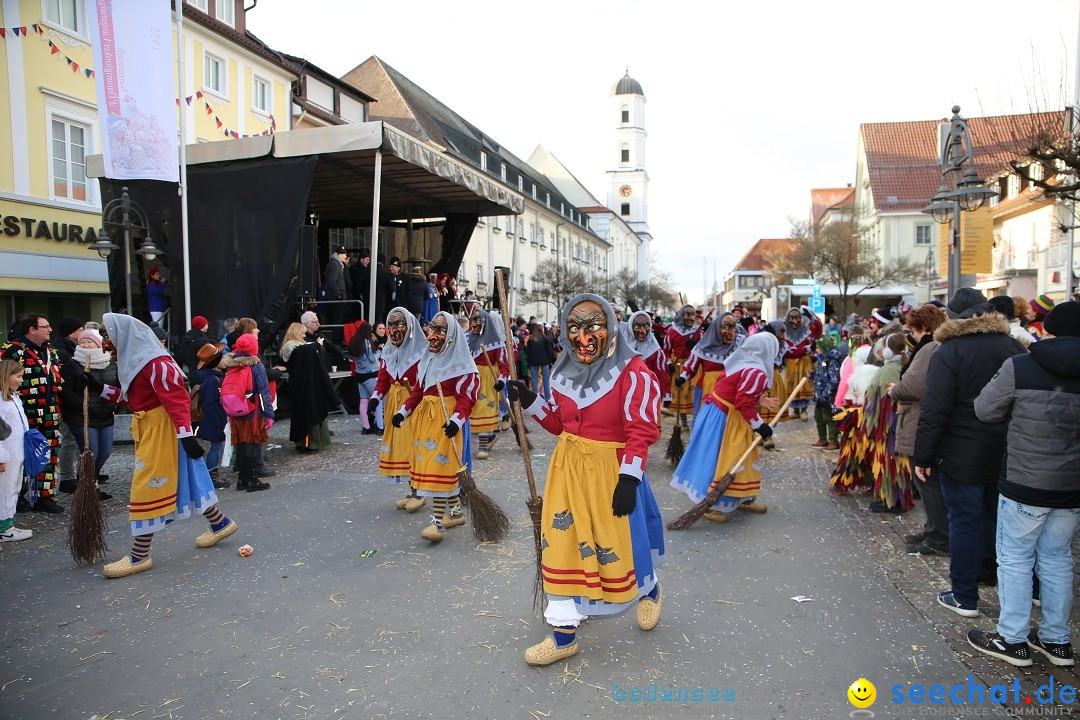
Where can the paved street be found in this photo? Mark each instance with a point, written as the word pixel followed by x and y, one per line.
pixel 307 628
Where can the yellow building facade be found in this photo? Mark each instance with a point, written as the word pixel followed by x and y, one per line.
pixel 50 212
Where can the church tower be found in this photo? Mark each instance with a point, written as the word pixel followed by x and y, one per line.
pixel 628 183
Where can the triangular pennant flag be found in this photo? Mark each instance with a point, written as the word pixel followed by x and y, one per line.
pixel 188 100
pixel 75 67
pixel 234 133
pixel 23 28
pixel 69 60
pixel 36 28
pixel 55 49
pixel 198 94
pixel 15 30
pixel 3 34
pixel 89 72
pixel 218 122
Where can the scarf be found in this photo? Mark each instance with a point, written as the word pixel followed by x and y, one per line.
pixel 398 360
pixel 136 346
pixel 648 346
pixel 712 347
pixel 452 361
pixel 759 351
pixel 926 340
pixel 585 384
pixel 99 359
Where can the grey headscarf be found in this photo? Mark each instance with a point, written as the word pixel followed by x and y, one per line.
pixel 712 347
pixel 759 351
pixel 677 323
pixel 450 362
pixel 136 346
pixel 649 345
pixel 585 384
pixel 488 339
pixel 399 359
pixel 496 319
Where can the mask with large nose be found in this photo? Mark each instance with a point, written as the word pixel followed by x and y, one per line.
pixel 398 327
pixel 436 336
pixel 587 331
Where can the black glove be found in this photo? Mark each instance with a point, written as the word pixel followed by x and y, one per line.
pixel 518 391
pixel 690 344
pixel 373 403
pixel 192 447
pixel 397 420
pixel 764 430
pixel 92 382
pixel 670 368
pixel 680 381
pixel 624 500
pixel 450 428
pixel 499 385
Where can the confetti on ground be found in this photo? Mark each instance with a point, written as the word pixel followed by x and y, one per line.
pixel 802 599
pixel 298 564
pixel 369 553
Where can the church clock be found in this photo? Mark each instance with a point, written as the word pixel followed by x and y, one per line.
pixel 625 191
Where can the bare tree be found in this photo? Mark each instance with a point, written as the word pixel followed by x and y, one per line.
pixel 555 283
pixel 838 254
pixel 654 294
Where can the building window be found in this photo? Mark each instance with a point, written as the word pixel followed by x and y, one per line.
pixel 502 171
pixel 624 155
pixel 201 4
pixel 483 161
pixel 214 74
pixel 479 273
pixel 532 232
pixel 521 280
pixel 534 191
pixel 521 184
pixel 625 209
pixel 69 160
pixel 226 12
pixel 922 234
pixel 260 95
pixel 625 116
pixel 548 199
pixel 68 14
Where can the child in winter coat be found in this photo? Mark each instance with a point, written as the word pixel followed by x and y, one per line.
pixel 212 426
pixel 11 449
pixel 828 360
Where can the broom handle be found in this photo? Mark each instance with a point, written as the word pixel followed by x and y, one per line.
pixel 757 438
pixel 515 407
pixel 86 409
pixel 446 417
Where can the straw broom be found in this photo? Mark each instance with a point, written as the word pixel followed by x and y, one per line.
pixel 721 484
pixel 676 447
pixel 534 503
pixel 86 532
pixel 489 522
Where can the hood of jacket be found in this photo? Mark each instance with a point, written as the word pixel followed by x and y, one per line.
pixel 1058 356
pixel 989 324
pixel 192 335
pixel 229 360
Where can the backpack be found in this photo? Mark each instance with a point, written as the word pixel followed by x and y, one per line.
pixel 237 391
pixel 196 403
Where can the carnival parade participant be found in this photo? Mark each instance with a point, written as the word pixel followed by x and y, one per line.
pixel 776 389
pixel 488 351
pixel 706 360
pixel 438 408
pixel 397 377
pixel 679 341
pixel 643 341
pixel 170 479
pixel 601 531
pixel 892 473
pixel 725 429
pixel 802 329
pixel 852 470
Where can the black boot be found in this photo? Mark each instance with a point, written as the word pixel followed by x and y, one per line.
pixel 242 473
pixel 252 482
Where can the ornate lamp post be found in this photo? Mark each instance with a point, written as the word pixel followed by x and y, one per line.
pixel 931 274
pixel 968 191
pixel 131 218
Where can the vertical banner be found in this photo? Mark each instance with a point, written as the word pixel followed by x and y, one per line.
pixel 135 73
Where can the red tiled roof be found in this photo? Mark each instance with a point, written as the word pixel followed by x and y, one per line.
pixel 902 158
pixel 821 199
pixel 754 259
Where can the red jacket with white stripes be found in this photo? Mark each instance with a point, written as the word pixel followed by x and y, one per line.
pixel 626 412
pixel 675 343
pixel 742 389
pixel 159 383
pixel 462 388
pixel 385 379
pixel 657 362
pixel 497 356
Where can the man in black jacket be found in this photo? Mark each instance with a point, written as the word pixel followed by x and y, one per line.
pixel 193 340
pixel 966 451
pixel 336 287
pixel 67 333
pixel 1038 395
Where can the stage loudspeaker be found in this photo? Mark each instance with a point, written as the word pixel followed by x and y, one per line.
pixel 308 271
pixel 495 304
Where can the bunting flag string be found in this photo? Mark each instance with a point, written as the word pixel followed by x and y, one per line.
pixel 54 49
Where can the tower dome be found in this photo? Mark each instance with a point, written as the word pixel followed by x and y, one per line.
pixel 627 86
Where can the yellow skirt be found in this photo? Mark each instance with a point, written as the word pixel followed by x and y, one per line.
pixel 437 458
pixel 485 413
pixel 738 435
pixel 682 399
pixel 794 370
pixel 586 551
pixel 708 381
pixel 157 459
pixel 395 453
pixel 778 391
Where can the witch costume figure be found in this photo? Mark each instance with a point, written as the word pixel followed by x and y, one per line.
pixel 601 531
pixel 488 350
pixel 725 429
pixel 397 377
pixel 802 328
pixel 438 409
pixel 682 336
pixel 640 335
pixel 706 360
pixel 891 471
pixel 170 480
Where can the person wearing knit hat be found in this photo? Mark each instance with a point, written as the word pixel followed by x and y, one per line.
pixel 211 426
pixel 1063 320
pixel 68 326
pixel 962 301
pixel 249 430
pixel 193 341
pixel 89 357
pixel 66 335
pixel 1040 306
pixel 92 336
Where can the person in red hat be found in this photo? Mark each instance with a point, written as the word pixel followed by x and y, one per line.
pixel 193 341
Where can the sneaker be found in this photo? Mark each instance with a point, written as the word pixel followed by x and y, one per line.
pixel 1059 654
pixel 820 444
pixel 47 505
pixel 923 548
pixel 14 534
pixel 266 472
pixel 992 644
pixel 914 538
pixel 947 600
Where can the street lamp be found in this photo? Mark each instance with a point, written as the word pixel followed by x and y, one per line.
pixel 931 274
pixel 969 192
pixel 132 218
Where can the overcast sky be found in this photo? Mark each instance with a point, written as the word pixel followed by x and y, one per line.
pixel 749 104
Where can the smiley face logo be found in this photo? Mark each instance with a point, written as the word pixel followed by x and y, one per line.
pixel 862 693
